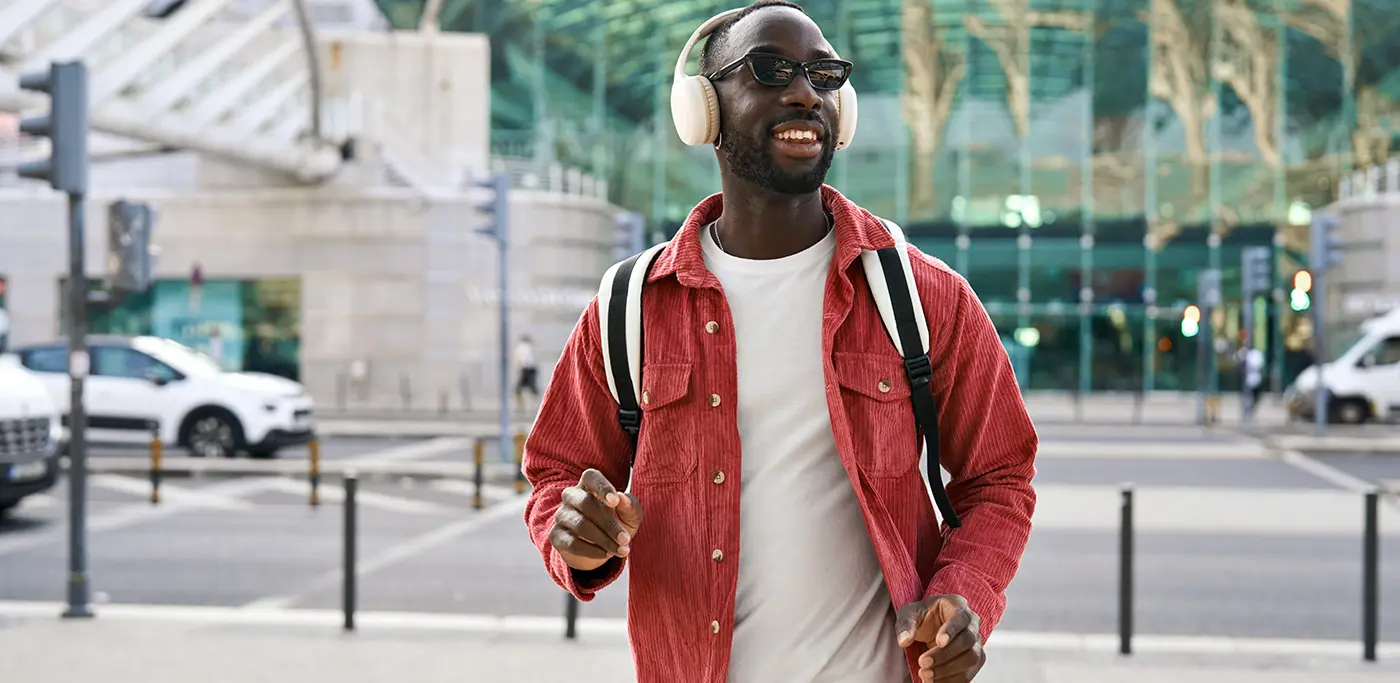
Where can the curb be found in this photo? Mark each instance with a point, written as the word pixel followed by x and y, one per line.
pixel 193 467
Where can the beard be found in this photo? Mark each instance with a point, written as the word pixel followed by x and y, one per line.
pixel 751 157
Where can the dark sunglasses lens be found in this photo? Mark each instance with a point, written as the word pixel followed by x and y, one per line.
pixel 827 75
pixel 770 70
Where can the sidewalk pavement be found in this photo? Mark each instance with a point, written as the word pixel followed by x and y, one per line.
pixel 51 650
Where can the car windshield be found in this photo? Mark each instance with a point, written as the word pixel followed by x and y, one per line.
pixel 184 359
pixel 1342 349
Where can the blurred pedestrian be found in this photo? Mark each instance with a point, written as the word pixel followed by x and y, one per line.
pixel 527 373
pixel 788 533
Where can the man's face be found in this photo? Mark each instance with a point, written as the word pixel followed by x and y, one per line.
pixel 762 126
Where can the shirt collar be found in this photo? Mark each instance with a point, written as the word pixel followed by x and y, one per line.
pixel 856 230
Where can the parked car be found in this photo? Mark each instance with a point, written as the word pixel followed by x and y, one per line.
pixel 1364 381
pixel 31 436
pixel 199 406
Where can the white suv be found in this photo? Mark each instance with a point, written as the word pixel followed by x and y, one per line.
pixel 136 380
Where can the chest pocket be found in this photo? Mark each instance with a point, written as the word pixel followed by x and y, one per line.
pixel 666 445
pixel 875 393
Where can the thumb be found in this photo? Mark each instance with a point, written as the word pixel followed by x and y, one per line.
pixel 911 624
pixel 629 511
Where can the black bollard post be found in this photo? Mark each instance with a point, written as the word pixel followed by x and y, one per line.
pixel 1125 573
pixel 348 582
pixel 570 616
pixel 1371 577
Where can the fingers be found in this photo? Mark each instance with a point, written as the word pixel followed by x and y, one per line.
pixel 598 486
pixel 910 624
pixel 959 618
pixel 586 529
pixel 962 645
pixel 580 510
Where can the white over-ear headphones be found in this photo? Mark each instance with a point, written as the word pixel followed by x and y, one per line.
pixel 695 108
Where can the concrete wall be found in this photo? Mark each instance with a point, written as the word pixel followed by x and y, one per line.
pixel 401 284
pixel 1367 283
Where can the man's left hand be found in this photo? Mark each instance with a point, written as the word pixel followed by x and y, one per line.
pixel 952 632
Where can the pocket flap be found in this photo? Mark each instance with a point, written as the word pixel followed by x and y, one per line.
pixel 879 377
pixel 663 384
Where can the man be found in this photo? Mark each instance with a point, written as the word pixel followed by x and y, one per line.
pixel 528 372
pixel 778 527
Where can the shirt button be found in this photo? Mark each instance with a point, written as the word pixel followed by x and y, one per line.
pixel 646 397
pixel 714 400
pixel 718 477
pixel 717 555
pixel 712 327
pixel 714 627
pixel 884 386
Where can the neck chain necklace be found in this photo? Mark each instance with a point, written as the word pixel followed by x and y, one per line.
pixel 714 231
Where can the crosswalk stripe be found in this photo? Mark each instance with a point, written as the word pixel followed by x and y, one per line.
pixel 140 488
pixel 335 494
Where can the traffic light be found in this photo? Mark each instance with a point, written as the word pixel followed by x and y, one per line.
pixel 1326 245
pixel 66 126
pixel 130 259
pixel 497 208
pixel 630 237
pixel 1298 299
pixel 1190 321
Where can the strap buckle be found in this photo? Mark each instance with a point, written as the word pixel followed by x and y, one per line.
pixel 920 370
pixel 631 420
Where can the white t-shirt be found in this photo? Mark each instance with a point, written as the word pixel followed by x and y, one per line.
pixel 812 604
pixel 524 355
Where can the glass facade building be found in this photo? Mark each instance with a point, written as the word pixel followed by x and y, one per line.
pixel 1081 162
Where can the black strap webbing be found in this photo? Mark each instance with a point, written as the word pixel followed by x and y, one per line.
pixel 920 373
pixel 629 414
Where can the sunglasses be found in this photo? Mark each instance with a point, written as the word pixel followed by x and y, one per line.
pixel 774 70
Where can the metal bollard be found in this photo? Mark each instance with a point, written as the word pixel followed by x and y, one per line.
pixel 352 485
pixel 313 451
pixel 405 392
pixel 155 463
pixel 1371 577
pixel 1125 573
pixel 479 475
pixel 570 616
pixel 519 463
pixel 443 400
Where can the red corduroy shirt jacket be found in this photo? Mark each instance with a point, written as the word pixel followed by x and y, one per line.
pixel 686 474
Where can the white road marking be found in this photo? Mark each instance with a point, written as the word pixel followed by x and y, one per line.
pixel 465 488
pixel 1138 450
pixel 131 515
pixel 552 625
pixel 1209 511
pixel 1325 472
pixel 419 450
pixel 335 495
pixel 408 549
pixel 168 493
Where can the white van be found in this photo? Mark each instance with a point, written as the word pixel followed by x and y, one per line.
pixel 31 435
pixel 1364 381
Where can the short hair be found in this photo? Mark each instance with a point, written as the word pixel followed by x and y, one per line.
pixel 719 38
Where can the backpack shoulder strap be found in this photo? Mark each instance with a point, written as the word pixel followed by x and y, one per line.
pixel 891 280
pixel 620 330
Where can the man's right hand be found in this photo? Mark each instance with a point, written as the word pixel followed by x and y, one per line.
pixel 594 523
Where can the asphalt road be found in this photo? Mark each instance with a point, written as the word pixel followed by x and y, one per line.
pixel 1267 549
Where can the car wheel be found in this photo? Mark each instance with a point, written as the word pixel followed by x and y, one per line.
pixel 213 435
pixel 1352 411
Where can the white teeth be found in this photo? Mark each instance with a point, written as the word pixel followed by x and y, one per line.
pixel 806 135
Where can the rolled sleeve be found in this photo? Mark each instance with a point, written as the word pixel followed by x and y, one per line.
pixel 576 430
pixel 988 446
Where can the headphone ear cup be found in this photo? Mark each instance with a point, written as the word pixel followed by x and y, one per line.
pixel 695 110
pixel 847 113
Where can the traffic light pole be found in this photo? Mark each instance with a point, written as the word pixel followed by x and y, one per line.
pixel 79 589
pixel 67 170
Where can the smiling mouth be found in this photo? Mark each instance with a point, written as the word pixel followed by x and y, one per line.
pixel 798 142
